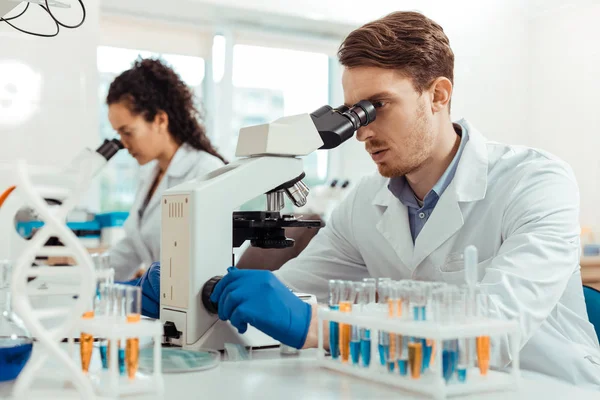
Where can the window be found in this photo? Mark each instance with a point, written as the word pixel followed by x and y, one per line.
pixel 270 83
pixel 118 181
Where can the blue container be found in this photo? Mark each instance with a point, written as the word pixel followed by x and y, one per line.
pixel 14 354
pixel 112 219
pixel 26 229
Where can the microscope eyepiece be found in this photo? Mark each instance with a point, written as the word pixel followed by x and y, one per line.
pixel 338 125
pixel 109 148
pixel 360 114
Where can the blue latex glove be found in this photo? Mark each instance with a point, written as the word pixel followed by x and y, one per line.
pixel 150 284
pixel 260 299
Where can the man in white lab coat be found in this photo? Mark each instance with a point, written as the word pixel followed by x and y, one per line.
pixel 441 186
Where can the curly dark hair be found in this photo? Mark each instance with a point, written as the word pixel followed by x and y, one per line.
pixel 151 86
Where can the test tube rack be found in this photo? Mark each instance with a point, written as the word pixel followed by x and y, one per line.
pixel 109 382
pixel 430 384
pixel 33 184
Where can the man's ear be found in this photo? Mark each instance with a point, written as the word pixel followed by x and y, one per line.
pixel 441 93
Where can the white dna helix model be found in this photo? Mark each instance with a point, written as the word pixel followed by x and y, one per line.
pixel 33 186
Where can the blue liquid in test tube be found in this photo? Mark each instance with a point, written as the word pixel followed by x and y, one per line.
pixel 449 359
pixel 403 355
pixel 103 355
pixel 335 288
pixel 365 347
pixel 368 297
pixel 383 337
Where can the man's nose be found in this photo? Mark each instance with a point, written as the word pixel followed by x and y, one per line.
pixel 364 133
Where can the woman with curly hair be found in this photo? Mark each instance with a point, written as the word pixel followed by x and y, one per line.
pixel 153 112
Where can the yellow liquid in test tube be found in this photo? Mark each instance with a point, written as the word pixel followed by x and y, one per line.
pixel 86 345
pixel 483 353
pixel 345 332
pixel 132 349
pixel 415 358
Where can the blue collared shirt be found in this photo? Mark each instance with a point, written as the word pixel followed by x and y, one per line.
pixel 419 214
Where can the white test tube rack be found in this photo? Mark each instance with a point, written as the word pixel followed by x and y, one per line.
pixel 33 186
pixel 109 382
pixel 429 383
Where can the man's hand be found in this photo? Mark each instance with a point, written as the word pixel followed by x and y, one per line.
pixel 258 298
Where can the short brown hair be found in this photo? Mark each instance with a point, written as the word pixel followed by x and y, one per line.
pixel 404 40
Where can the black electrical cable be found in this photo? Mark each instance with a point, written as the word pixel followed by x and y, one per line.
pixel 64 25
pixel 16 16
pixel 35 33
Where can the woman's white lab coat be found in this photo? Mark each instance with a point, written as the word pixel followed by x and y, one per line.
pixel 141 244
pixel 519 207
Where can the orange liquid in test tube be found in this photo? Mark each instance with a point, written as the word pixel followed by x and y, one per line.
pixel 132 349
pixel 345 332
pixel 415 358
pixel 483 353
pixel 86 345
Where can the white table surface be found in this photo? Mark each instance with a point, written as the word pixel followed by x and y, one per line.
pixel 268 375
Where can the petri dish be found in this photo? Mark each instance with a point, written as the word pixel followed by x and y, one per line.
pixel 176 360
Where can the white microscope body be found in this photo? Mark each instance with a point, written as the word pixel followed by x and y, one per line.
pixel 199 224
pixel 52 184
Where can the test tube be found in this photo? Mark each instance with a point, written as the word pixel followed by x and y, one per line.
pixel 461 310
pixel 429 344
pixel 444 300
pixel 334 304
pixel 383 344
pixel 403 294
pixel 86 340
pixel 449 358
pixel 403 354
pixel 355 332
pixel 133 307
pixel 394 312
pixel 419 301
pixel 104 308
pixel 380 282
pixel 120 312
pixel 415 357
pixel 482 343
pixel 346 302
pixel 368 297
pixel 108 271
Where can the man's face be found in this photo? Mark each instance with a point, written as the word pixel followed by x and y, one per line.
pixel 401 139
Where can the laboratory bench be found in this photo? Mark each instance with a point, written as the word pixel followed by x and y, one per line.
pixel 270 375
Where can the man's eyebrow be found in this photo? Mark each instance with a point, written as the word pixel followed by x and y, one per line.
pixel 376 96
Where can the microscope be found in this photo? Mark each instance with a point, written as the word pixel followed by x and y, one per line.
pixel 200 227
pixel 87 163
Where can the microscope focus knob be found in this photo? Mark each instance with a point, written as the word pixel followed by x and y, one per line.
pixel 207 290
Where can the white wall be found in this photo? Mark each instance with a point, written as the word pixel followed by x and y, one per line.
pixel 55 81
pixel 565 85
pixel 526 72
pixel 49 89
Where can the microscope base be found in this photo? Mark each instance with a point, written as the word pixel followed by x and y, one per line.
pixel 223 332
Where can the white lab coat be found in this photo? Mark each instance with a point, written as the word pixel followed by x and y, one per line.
pixel 141 245
pixel 519 207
